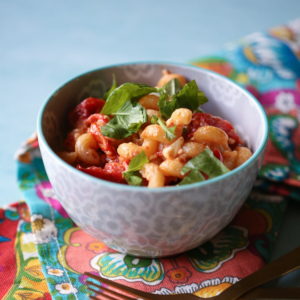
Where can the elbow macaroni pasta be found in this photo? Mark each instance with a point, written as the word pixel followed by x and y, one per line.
pixel 191 149
pixel 155 132
pixel 167 76
pixel 172 167
pixel 153 174
pixel 210 134
pixel 149 102
pixel 181 116
pixel 130 150
pixel 85 149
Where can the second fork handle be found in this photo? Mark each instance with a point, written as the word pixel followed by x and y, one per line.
pixel 279 267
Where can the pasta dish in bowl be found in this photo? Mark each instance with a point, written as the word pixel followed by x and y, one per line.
pixel 151 136
pixel 104 143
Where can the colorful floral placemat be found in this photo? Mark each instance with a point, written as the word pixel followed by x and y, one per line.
pixel 43 254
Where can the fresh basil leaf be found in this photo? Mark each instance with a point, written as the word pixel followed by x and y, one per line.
pixel 207 163
pixel 113 87
pixel 185 131
pixel 114 130
pixel 166 107
pixel 190 97
pixel 125 92
pixel 173 86
pixel 130 114
pixel 128 119
pixel 154 119
pixel 137 163
pixel 132 176
pixel 170 131
pixel 202 99
pixel 193 177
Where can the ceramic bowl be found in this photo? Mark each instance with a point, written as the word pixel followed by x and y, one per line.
pixel 152 222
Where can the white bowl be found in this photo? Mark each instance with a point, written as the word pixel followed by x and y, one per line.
pixel 152 222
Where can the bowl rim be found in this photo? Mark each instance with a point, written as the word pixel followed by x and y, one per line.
pixel 177 188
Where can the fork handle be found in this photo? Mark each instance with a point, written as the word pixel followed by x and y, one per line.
pixel 279 267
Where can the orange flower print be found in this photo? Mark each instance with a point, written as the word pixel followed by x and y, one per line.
pixel 97 247
pixel 179 275
pixel 55 272
pixel 66 288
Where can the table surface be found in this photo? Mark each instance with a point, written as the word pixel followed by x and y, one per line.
pixel 45 43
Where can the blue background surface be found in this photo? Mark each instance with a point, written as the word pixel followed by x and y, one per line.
pixel 45 43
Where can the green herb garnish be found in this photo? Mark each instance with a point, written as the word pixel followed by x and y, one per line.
pixel 126 92
pixel 166 107
pixel 207 163
pixel 188 97
pixel 132 175
pixel 154 119
pixel 128 119
pixel 173 87
pixel 193 177
pixel 170 131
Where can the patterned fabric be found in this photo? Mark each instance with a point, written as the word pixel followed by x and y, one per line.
pixel 268 66
pixel 46 257
pixel 20 268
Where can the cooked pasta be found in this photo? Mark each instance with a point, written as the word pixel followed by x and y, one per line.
pixel 153 174
pixel 191 149
pixel 210 134
pixel 167 76
pixel 156 132
pixel 172 167
pixel 181 116
pixel 150 102
pixel 85 149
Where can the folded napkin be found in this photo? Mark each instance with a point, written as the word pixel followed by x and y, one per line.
pixel 43 254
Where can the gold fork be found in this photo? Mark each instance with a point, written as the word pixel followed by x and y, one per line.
pixel 280 267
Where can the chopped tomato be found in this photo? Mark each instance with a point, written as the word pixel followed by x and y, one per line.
pixel 96 117
pixel 109 175
pixel 204 119
pixel 103 142
pixel 217 153
pixel 83 110
pixel 115 169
